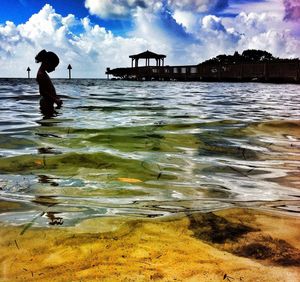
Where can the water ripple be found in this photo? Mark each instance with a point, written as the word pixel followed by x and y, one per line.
pixel 148 148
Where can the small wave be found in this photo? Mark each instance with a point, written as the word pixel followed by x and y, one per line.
pixel 149 149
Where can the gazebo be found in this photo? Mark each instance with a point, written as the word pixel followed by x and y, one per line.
pixel 147 55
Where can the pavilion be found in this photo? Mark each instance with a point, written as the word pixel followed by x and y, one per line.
pixel 147 55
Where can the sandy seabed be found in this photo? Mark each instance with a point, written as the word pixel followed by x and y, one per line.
pixel 229 245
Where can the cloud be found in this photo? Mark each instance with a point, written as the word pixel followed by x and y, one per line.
pixel 292 10
pixel 256 23
pixel 107 8
pixel 213 23
pixel 89 51
pixel 90 48
pixel 198 6
pixel 251 31
pixel 164 35
pixel 215 38
pixel 185 18
pixel 119 8
pixel 272 7
pixel 214 35
pixel 127 8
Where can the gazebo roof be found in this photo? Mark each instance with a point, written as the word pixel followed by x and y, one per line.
pixel 148 55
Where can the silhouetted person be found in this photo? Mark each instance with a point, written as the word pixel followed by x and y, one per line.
pixel 49 62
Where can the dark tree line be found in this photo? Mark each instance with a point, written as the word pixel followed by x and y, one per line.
pixel 248 56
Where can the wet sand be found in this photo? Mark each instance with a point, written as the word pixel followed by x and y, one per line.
pixel 228 245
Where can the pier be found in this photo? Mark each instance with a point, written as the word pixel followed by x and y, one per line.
pixel 277 70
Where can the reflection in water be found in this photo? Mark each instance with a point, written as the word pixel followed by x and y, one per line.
pixel 54 220
pixel 46 179
pixel 148 149
pixel 47 109
pixel 49 201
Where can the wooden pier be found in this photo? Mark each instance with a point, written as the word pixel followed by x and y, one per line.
pixel 280 71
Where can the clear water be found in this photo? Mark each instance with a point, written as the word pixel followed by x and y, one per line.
pixel 147 149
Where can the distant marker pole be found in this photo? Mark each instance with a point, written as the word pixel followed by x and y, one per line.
pixel 28 70
pixel 69 68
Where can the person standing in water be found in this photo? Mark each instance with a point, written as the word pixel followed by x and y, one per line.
pixel 49 61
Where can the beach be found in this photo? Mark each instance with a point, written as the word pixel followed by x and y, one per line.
pixel 150 181
pixel 123 249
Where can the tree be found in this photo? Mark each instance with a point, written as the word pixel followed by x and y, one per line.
pixel 257 55
pixel 251 55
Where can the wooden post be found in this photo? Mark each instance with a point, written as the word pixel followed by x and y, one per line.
pixel 28 70
pixel 69 68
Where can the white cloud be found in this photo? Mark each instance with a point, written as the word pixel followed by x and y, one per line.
pixel 106 8
pixel 187 19
pixel 272 7
pixel 90 48
pixel 253 23
pixel 120 8
pixel 212 23
pixel 123 8
pixel 89 52
pixel 198 6
pixel 164 35
pixel 280 44
pixel 246 31
pixel 264 31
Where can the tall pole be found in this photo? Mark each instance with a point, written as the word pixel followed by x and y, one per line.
pixel 69 68
pixel 28 70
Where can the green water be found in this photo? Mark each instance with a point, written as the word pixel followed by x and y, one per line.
pixel 147 149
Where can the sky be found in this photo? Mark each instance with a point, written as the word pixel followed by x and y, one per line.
pixel 92 35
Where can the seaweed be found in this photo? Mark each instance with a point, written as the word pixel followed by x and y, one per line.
pixel 215 229
pixel 242 240
pixel 28 225
pixel 275 250
pixel 17 245
pixel 227 277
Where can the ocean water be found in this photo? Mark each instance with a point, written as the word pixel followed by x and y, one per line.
pixel 147 149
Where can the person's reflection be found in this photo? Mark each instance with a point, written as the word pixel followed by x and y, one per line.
pixel 47 110
pixel 49 201
pixel 47 180
pixel 54 220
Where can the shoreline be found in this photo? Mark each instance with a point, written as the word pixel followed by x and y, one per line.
pixel 198 80
pixel 240 244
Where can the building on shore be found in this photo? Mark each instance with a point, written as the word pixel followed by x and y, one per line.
pixel 238 68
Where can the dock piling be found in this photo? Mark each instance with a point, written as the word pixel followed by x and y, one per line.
pixel 69 68
pixel 28 71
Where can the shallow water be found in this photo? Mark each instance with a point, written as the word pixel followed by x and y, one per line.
pixel 147 149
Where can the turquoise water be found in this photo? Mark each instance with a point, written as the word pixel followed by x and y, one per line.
pixel 147 149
